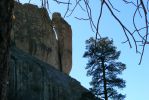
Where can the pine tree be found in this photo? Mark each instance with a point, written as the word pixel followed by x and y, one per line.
pixel 104 68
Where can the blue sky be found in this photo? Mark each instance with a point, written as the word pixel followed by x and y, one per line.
pixel 136 76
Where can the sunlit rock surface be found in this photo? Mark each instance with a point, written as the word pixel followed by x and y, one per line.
pixel 39 63
pixel 64 34
pixel 34 32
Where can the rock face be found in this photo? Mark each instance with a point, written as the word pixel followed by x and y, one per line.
pixel 40 64
pixel 64 34
pixel 33 79
pixel 33 33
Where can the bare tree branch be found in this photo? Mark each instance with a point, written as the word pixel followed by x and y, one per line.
pixel 60 2
pixel 67 8
pixel 146 22
pixel 136 36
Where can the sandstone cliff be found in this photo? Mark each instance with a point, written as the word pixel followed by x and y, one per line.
pixel 40 63
pixel 33 32
pixel 64 35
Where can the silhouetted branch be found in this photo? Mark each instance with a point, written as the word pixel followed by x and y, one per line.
pixel 77 3
pixel 113 6
pixel 81 18
pixel 61 2
pixel 146 22
pixel 67 8
pixel 141 7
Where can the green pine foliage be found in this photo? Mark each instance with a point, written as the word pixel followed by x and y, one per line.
pixel 104 68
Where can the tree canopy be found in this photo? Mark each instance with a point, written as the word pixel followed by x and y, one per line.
pixel 104 68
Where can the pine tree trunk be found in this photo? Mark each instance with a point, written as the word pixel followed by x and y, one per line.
pixel 105 81
pixel 6 7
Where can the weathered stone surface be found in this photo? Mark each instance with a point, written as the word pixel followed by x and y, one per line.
pixel 35 50
pixel 64 34
pixel 33 33
pixel 33 79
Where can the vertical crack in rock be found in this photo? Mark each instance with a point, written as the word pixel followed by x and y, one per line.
pixel 37 57
pixel 35 33
pixel 64 33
